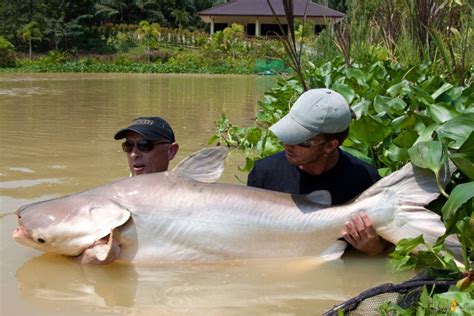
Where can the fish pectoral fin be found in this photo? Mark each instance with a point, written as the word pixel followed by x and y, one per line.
pixel 108 217
pixel 334 251
pixel 100 252
pixel 205 165
pixel 109 251
pixel 321 197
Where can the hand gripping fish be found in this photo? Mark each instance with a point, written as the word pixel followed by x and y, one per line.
pixel 183 215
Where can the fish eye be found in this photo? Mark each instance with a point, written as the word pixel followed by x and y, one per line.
pixel 40 240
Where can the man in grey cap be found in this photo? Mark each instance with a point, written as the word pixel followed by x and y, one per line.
pixel 311 133
pixel 149 144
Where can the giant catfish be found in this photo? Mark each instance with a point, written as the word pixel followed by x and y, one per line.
pixel 183 215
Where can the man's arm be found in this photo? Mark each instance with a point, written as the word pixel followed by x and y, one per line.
pixel 360 233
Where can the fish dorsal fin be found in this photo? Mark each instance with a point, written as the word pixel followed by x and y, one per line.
pixel 321 197
pixel 205 165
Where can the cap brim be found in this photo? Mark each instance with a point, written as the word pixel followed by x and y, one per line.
pixel 291 132
pixel 123 132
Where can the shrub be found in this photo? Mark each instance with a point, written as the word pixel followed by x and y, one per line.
pixel 53 57
pixel 7 56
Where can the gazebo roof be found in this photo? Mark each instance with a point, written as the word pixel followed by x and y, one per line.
pixel 261 8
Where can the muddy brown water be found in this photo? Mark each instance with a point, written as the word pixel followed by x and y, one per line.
pixel 57 138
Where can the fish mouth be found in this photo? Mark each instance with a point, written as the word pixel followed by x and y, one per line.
pixel 21 233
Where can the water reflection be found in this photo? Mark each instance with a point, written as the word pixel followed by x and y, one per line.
pixel 48 279
pixel 238 287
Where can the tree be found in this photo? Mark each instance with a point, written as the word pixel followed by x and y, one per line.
pixel 181 17
pixel 7 58
pixel 29 33
pixel 147 35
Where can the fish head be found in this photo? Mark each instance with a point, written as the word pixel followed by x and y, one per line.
pixel 69 225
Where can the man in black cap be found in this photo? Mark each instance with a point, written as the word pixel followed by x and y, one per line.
pixel 149 144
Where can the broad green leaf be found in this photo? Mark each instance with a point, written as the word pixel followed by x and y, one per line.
pixel 357 74
pixel 429 155
pixel 441 113
pixel 253 135
pixel 464 163
pixel 445 87
pixel 212 139
pixel 424 118
pixel 468 147
pixel 460 195
pixel 396 154
pixel 406 138
pixel 404 122
pixel 399 89
pixel 458 129
pixel 456 302
pixel 358 154
pixel 397 106
pixel 248 165
pixel 361 108
pixel 347 92
pixel 426 133
pixel 369 130
pixel 381 104
pixel 420 95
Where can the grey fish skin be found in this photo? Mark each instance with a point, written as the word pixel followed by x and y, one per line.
pixel 175 216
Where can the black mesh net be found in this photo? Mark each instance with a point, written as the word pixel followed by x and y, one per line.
pixel 405 295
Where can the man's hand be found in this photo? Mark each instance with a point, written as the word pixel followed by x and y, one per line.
pixel 360 233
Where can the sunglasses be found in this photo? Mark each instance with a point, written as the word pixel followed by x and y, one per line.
pixel 143 145
pixel 310 143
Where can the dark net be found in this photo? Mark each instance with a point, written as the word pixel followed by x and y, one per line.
pixel 405 295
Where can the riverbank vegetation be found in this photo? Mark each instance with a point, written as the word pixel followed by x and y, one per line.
pixel 124 36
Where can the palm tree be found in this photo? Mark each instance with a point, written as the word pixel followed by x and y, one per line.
pixel 29 33
pixel 181 17
pixel 147 34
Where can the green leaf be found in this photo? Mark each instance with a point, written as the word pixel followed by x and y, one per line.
pixel 464 163
pixel 429 155
pixel 357 74
pixel 248 165
pixel 396 154
pixel 397 106
pixel 426 133
pixel 401 88
pixel 369 130
pixel 381 103
pixel 460 195
pixel 347 92
pixel 458 129
pixel 468 147
pixel 441 113
pixel 420 95
pixel 445 87
pixel 212 139
pixel 406 138
pixel 361 108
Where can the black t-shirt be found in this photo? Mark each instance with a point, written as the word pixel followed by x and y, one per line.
pixel 347 179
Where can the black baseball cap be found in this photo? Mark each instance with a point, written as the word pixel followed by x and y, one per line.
pixel 151 127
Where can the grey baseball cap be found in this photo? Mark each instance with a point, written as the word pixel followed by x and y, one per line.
pixel 316 111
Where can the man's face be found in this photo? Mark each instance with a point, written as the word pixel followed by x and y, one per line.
pixel 155 160
pixel 310 151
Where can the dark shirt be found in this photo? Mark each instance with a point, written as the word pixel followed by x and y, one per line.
pixel 347 179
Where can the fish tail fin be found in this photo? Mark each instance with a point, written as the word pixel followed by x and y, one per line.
pixel 411 189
